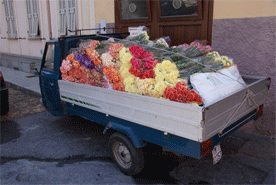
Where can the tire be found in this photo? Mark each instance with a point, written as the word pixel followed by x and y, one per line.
pixel 129 159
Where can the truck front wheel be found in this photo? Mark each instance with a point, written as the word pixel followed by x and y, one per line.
pixel 129 159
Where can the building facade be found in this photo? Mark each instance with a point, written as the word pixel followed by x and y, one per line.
pixel 245 31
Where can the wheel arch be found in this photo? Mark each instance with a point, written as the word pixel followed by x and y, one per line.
pixel 113 127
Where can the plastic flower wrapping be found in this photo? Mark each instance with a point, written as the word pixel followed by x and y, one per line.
pixel 140 66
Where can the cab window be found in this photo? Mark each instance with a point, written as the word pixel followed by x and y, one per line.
pixel 49 58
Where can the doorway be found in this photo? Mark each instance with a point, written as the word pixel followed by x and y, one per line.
pixel 182 20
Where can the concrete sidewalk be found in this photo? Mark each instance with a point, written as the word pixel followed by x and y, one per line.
pixel 27 82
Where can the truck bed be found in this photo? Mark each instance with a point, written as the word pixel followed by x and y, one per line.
pixel 197 123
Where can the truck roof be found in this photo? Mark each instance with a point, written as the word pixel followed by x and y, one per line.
pixel 52 41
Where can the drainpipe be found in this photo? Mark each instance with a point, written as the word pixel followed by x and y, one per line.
pixel 49 19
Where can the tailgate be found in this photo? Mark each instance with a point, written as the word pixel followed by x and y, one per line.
pixel 223 113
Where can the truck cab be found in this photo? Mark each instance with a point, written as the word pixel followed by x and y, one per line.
pixel 49 76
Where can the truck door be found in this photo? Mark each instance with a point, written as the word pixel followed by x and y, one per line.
pixel 48 80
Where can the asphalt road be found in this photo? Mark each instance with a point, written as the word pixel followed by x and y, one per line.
pixel 43 149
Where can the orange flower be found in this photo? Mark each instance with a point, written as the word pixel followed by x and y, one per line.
pixel 114 77
pixel 94 55
pixel 75 64
pixel 70 57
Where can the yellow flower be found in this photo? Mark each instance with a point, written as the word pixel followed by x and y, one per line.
pixel 129 80
pixel 160 87
pixel 122 52
pixel 131 89
pixel 124 56
pixel 124 71
pixel 171 77
pixel 159 77
pixel 154 93
pixel 144 85
pixel 158 66
pixel 167 66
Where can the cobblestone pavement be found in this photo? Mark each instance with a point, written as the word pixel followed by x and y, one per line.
pixel 22 104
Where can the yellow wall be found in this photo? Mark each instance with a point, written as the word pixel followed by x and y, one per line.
pixel 104 9
pixel 224 9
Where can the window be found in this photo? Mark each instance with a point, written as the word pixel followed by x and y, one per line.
pixel 67 17
pixel 9 10
pixel 178 7
pixel 133 9
pixel 50 58
pixel 33 17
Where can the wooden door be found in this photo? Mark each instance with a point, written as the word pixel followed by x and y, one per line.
pixel 182 20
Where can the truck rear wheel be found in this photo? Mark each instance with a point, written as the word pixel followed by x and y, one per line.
pixel 129 159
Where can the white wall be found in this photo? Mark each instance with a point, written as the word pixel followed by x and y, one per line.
pixel 48 24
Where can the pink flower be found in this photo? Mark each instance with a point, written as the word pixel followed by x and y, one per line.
pixel 66 64
pixel 146 55
pixel 149 63
pixel 135 62
pixel 137 51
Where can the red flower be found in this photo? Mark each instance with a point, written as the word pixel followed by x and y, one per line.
pixel 149 63
pixel 148 74
pixel 135 62
pixel 146 55
pixel 181 93
pixel 136 51
pixel 135 71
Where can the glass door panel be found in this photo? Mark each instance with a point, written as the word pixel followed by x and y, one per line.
pixel 178 7
pixel 133 9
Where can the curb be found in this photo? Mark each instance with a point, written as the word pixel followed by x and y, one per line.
pixel 252 136
pixel 24 90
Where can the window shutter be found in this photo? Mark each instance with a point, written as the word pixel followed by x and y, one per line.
pixel 71 17
pixel 29 16
pixel 35 17
pixel 12 18
pixel 7 11
pixel 11 28
pixel 62 17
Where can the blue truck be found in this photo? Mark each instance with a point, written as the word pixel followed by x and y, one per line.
pixel 133 120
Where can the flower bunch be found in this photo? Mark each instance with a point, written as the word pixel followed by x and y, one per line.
pixel 142 63
pixel 215 58
pixel 81 69
pixel 145 86
pixel 94 44
pixel 114 77
pixel 107 59
pixel 195 49
pixel 181 93
pixel 129 79
pixel 141 37
pixel 161 43
pixel 66 66
pixel 84 60
pixel 114 50
pixel 183 46
pixel 94 56
pixel 166 71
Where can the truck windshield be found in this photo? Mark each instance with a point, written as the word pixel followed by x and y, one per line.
pixel 49 59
